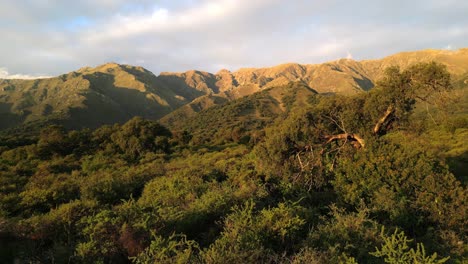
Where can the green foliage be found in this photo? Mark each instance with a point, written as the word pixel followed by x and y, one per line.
pixel 110 187
pixel 51 141
pixel 250 237
pixel 404 184
pixel 200 190
pixel 401 89
pixel 395 249
pixel 282 157
pixel 282 176
pixel 114 235
pixel 175 249
pixel 43 193
pixel 139 136
pixel 241 120
pixel 345 235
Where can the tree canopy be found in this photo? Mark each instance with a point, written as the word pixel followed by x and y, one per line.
pixel 378 177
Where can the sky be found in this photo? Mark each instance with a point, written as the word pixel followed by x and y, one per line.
pixel 51 37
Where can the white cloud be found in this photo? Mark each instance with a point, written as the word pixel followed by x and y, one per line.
pixel 4 74
pixel 162 20
pixel 170 35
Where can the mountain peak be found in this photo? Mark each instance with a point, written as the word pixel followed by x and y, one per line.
pixel 112 67
pixel 223 71
pixel 100 68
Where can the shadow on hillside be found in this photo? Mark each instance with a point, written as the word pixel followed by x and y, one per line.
pixel 107 104
pixel 7 118
pixel 178 85
pixel 365 83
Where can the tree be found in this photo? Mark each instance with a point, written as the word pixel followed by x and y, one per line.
pixel 399 90
pixel 52 140
pixel 306 146
pixel 139 136
pixel 391 102
pixel 403 185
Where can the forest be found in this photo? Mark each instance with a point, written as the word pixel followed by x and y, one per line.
pixel 376 177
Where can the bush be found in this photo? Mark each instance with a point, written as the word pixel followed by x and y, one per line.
pixel 395 250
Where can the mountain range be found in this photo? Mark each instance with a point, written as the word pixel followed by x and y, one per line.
pixel 114 93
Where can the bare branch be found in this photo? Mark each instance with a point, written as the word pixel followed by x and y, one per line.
pixel 347 137
pixel 342 126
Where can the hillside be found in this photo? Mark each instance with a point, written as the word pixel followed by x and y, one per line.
pixel 113 93
pixel 210 119
pixel 284 175
pixel 184 113
pixel 344 76
pixel 90 97
pixel 341 77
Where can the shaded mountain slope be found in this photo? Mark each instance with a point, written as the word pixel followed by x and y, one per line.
pixel 181 115
pixel 241 119
pixel 90 97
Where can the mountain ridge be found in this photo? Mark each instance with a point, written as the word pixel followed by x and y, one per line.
pixel 112 92
pixel 355 75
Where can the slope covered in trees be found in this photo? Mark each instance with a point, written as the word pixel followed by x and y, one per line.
pixel 242 119
pixel 378 177
pixel 109 93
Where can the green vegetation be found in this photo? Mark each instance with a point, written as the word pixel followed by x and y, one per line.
pixel 282 176
pixel 89 97
pixel 240 120
pixel 113 93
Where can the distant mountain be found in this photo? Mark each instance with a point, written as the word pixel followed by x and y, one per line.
pixel 343 76
pixel 91 97
pixel 111 93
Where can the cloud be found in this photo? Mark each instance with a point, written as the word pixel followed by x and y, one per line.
pixel 211 15
pixel 4 74
pixel 57 36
